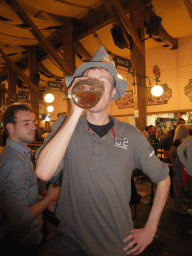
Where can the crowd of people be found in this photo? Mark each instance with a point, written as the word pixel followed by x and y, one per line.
pixel 176 145
pixel 153 134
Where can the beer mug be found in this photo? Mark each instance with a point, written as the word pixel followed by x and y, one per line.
pixel 86 93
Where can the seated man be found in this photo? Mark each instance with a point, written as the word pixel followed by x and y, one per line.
pixel 20 207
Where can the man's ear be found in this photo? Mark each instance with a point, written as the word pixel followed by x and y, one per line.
pixel 10 127
pixel 113 92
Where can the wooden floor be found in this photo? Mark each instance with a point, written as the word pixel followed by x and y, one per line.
pixel 172 237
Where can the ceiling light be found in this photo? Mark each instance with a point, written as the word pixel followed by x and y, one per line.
pixel 157 90
pixel 50 109
pixel 49 98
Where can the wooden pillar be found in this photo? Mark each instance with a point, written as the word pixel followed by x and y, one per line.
pixel 68 54
pixel 4 90
pixel 17 8
pixel 11 82
pixel 2 95
pixel 34 75
pixel 138 62
pixel 178 115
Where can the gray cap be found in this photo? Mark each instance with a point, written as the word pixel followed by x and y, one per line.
pixel 97 62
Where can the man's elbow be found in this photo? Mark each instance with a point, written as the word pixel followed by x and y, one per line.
pixel 45 171
pixel 42 174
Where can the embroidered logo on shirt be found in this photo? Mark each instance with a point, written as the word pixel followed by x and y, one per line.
pixel 121 143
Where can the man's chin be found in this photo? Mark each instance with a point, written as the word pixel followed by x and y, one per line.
pixel 98 109
pixel 94 110
pixel 30 140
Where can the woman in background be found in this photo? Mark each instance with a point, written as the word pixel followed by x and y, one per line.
pixel 184 152
pixel 181 176
pixel 159 134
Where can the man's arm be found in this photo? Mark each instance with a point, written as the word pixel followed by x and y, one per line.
pixel 15 194
pixel 52 196
pixel 143 237
pixel 52 154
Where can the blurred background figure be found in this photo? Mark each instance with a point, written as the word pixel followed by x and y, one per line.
pixel 181 176
pixel 152 136
pixel 184 152
pixel 147 131
pixel 159 134
pixel 166 141
pixel 190 130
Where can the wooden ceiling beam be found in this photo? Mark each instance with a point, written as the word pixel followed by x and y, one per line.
pixel 5 90
pixel 120 17
pixel 56 36
pixel 162 35
pixel 188 4
pixel 99 41
pixel 82 51
pixel 165 37
pixel 47 72
pixel 100 17
pixel 14 67
pixel 15 6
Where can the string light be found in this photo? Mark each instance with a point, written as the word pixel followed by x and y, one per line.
pixel 49 97
pixel 50 109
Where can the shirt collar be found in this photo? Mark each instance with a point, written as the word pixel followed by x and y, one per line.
pixel 83 126
pixel 19 147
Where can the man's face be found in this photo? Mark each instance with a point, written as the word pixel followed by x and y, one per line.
pixel 109 90
pixel 180 121
pixel 23 131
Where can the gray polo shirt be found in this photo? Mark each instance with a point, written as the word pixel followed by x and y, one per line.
pixel 18 190
pixel 96 186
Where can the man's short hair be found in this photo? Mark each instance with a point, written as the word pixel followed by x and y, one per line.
pixel 180 121
pixel 147 127
pixel 9 116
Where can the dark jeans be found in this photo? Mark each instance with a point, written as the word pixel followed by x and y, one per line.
pixel 9 248
pixel 61 245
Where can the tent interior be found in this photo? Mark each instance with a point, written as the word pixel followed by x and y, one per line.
pixel 90 23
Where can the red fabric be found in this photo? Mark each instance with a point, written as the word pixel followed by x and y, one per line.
pixel 165 153
pixel 113 132
pixel 184 176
